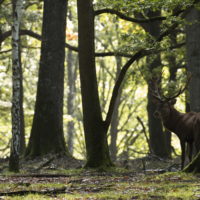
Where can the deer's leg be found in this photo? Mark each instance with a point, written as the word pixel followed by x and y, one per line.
pixel 182 154
pixel 190 145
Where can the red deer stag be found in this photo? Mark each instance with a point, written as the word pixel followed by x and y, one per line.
pixel 185 125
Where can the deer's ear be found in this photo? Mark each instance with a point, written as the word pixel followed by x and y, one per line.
pixel 173 101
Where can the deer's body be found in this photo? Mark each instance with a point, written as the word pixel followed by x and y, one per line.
pixel 185 125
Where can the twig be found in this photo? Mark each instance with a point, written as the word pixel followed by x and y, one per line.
pixel 6 51
pixel 144 131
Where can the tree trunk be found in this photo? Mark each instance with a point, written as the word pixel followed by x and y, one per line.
pixel 193 54
pixel 156 134
pixel 172 71
pixel 17 125
pixel 47 129
pixel 94 128
pixel 157 137
pixel 115 119
pixel 71 84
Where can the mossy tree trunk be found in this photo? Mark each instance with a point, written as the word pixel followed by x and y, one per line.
pixel 47 129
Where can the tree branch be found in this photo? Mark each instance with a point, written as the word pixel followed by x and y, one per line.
pixel 118 83
pixel 39 37
pixel 141 53
pixel 125 17
pixel 145 133
pixel 1 1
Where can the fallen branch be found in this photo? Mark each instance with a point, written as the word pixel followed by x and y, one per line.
pixel 26 192
pixel 38 175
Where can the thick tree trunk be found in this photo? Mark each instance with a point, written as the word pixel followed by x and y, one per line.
pixel 17 125
pixel 156 135
pixel 193 55
pixel 94 129
pixel 47 129
pixel 172 71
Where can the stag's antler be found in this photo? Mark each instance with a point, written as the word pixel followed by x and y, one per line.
pixel 162 97
pixel 182 89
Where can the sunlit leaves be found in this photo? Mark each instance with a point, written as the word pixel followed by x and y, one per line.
pixel 135 5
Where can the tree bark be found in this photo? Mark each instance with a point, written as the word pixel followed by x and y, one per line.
pixel 172 71
pixel 115 119
pixel 17 110
pixel 193 54
pixel 71 84
pixel 156 134
pixel 47 129
pixel 94 129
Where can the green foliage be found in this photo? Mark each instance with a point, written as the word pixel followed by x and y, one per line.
pixel 129 6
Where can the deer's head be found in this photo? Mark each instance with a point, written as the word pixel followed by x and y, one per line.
pixel 163 108
pixel 164 105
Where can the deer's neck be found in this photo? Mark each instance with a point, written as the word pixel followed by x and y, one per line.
pixel 171 121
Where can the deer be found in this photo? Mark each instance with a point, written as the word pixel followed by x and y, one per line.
pixel 185 125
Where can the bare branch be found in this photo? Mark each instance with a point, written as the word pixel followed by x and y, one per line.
pixel 144 131
pixel 118 83
pixel 6 51
pixel 125 17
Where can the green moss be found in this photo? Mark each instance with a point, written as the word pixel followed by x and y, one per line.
pixel 114 184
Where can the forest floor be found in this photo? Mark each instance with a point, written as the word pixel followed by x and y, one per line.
pixel 146 178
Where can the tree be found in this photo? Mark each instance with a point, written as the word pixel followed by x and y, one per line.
pixel 157 137
pixel 193 54
pixel 115 119
pixel 94 127
pixel 71 60
pixel 47 129
pixel 71 84
pixel 17 110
